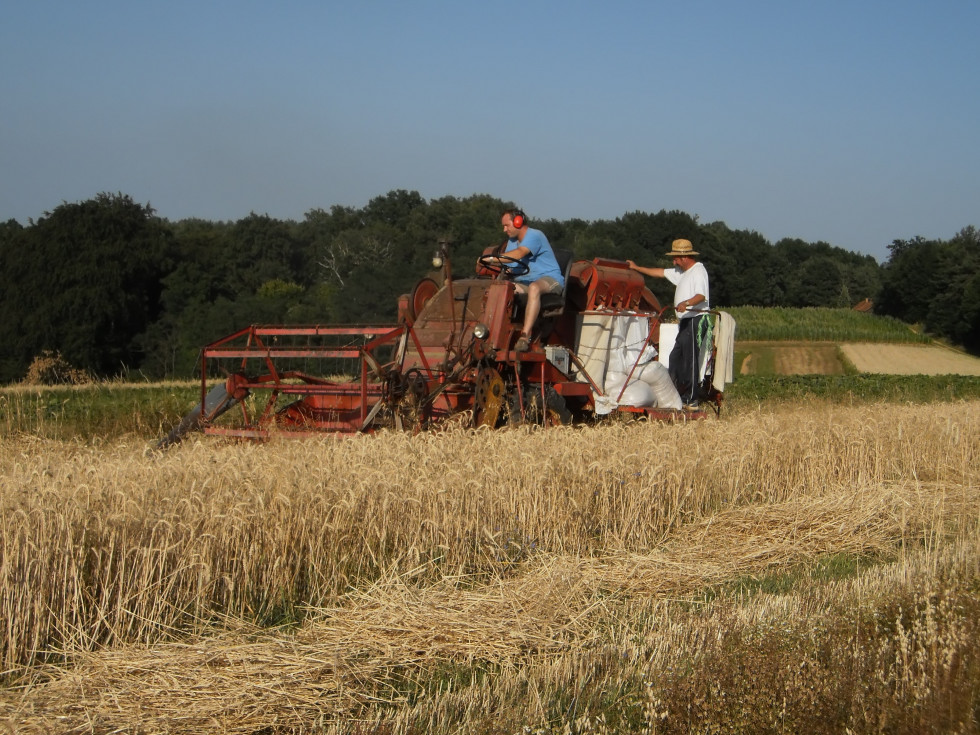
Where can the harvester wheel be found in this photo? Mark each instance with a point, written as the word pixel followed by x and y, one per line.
pixel 488 398
pixel 409 411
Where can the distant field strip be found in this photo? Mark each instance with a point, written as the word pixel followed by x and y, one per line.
pixel 791 358
pixel 894 359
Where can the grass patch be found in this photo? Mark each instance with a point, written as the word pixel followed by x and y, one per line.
pixel 849 367
pixel 825 569
pixel 762 360
pixel 791 358
pixel 95 411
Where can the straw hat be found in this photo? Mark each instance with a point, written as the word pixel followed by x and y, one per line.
pixel 681 248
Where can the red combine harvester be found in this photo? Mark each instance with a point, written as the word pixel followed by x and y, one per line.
pixel 451 357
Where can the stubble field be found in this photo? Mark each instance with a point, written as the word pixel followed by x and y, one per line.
pixel 896 359
pixel 831 358
pixel 789 568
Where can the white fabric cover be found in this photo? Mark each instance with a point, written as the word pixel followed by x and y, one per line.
pixel 668 335
pixel 610 346
pixel 724 351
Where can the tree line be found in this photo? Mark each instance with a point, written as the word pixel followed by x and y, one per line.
pixel 114 288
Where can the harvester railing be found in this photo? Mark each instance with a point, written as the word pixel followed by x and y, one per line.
pixel 280 350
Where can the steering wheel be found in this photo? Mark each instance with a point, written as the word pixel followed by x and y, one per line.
pixel 496 264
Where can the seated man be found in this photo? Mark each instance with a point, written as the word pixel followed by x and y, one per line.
pixel 532 248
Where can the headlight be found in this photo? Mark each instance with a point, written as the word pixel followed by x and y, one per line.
pixel 480 331
pixel 437 262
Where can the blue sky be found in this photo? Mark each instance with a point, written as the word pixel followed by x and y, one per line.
pixel 855 123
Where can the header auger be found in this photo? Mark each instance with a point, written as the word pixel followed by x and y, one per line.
pixel 451 357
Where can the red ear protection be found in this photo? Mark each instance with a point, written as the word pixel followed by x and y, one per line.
pixel 518 219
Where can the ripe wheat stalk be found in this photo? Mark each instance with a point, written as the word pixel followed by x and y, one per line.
pixel 402 552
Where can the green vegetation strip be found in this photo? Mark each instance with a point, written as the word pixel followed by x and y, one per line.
pixel 108 410
pixel 849 388
pixel 99 410
pixel 756 323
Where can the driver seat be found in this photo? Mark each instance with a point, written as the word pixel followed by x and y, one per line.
pixel 553 304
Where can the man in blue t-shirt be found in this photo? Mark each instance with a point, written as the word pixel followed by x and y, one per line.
pixel 530 247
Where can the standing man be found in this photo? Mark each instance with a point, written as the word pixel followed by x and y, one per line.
pixel 532 248
pixel 691 303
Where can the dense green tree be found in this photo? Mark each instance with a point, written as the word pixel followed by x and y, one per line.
pixel 12 273
pixel 742 266
pixel 471 225
pixel 863 279
pixel 259 248
pixel 393 208
pixel 369 261
pixel 84 280
pixel 908 280
pixel 817 281
pixel 835 277
pixel 936 284
pixel 196 279
pixel 953 311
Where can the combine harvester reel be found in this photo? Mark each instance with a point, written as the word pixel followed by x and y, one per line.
pixel 451 358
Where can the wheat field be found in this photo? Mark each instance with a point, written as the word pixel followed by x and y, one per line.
pixel 785 568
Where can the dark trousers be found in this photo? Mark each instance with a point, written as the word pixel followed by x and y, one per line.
pixel 685 359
